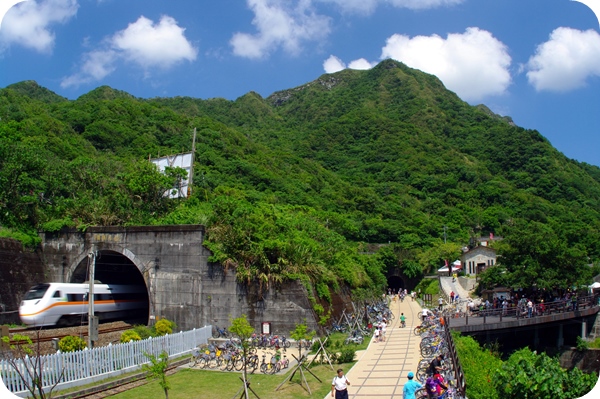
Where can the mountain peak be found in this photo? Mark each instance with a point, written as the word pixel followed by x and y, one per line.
pixel 33 90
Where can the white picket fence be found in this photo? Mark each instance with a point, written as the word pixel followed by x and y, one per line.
pixel 86 366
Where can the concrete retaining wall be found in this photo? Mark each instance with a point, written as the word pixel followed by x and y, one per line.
pixel 20 269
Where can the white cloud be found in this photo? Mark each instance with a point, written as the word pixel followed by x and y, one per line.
pixel 333 64
pixel 143 43
pixel 361 64
pixel 150 45
pixel 368 6
pixel 28 24
pixel 565 61
pixel 280 25
pixel 473 64
pixel 96 66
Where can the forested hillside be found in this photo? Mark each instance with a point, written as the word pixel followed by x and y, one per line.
pixel 295 185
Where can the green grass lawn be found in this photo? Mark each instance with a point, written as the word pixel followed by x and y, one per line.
pixel 209 384
pixel 206 384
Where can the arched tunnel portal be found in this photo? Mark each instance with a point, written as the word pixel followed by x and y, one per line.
pixel 114 268
pixel 395 283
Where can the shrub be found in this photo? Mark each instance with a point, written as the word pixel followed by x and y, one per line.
pixel 130 335
pixel 479 366
pixel 71 343
pixel 346 356
pixel 582 344
pixel 144 332
pixel 164 327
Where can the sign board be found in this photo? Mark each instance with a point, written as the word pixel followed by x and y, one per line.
pixel 183 161
pixel 266 328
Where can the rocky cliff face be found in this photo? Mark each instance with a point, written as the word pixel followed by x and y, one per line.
pixel 20 269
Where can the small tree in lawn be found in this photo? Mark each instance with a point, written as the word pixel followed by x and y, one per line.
pixel 301 333
pixel 29 365
pixel 244 331
pixel 157 369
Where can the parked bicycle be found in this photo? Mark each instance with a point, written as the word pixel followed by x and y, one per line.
pixel 220 333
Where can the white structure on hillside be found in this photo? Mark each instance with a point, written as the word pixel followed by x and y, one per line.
pixel 476 260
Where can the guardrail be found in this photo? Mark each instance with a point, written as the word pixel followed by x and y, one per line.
pixel 459 375
pixel 539 309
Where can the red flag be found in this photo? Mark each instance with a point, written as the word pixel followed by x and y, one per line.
pixel 446 262
pixel 491 236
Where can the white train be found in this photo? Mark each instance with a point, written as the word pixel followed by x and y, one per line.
pixel 63 304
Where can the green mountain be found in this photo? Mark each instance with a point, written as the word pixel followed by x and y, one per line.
pixel 294 185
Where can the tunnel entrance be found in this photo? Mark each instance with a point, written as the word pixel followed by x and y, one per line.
pixel 395 283
pixel 113 268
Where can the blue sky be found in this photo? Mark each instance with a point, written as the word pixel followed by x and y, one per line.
pixel 537 61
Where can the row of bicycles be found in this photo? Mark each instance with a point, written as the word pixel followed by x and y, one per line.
pixel 435 346
pixel 228 356
pixel 360 325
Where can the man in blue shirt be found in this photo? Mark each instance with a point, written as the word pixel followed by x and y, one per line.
pixel 410 387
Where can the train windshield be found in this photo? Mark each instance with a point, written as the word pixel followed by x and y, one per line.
pixel 37 292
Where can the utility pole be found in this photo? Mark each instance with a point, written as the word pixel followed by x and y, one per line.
pixel 92 320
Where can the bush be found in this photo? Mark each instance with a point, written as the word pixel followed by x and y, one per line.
pixel 582 344
pixel 71 343
pixel 478 365
pixel 346 356
pixel 527 374
pixel 164 327
pixel 130 335
pixel 144 332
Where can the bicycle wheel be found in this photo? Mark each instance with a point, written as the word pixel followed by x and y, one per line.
pixel 238 363
pixel 264 368
pixel 229 365
pixel 252 364
pixel 215 334
pixel 212 363
pixel 202 363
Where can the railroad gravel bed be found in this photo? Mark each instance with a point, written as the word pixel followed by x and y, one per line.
pixel 46 348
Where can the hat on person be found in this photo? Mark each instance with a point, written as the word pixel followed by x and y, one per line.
pixel 410 374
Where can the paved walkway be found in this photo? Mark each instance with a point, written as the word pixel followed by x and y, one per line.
pixel 381 370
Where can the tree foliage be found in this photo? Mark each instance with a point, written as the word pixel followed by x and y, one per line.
pixel 527 374
pixel 157 369
pixel 294 184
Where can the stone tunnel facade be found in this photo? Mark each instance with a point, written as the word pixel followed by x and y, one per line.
pixel 182 285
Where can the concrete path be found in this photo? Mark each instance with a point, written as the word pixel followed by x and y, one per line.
pixel 381 370
pixel 448 286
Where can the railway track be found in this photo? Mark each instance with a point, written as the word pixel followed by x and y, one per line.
pixel 35 339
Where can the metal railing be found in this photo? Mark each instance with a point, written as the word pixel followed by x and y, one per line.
pixel 539 309
pixel 459 375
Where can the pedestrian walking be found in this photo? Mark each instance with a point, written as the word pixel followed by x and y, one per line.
pixel 410 387
pixel 339 386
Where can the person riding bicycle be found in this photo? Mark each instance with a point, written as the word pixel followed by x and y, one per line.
pixel 402 320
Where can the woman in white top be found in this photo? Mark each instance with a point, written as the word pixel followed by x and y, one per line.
pixel 339 386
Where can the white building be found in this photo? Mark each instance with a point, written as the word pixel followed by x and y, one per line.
pixel 476 260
